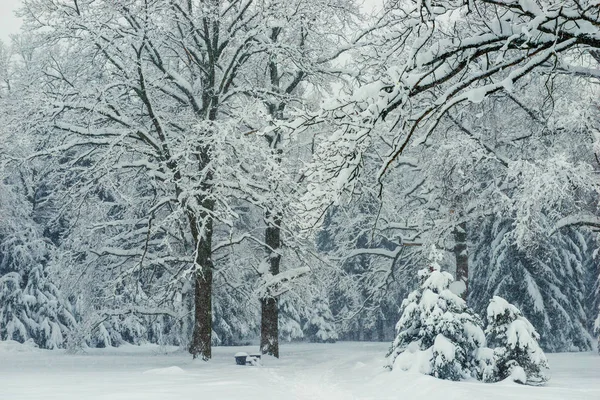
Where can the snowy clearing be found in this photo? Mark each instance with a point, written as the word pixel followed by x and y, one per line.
pixel 346 370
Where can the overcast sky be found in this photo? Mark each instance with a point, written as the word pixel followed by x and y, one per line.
pixel 8 22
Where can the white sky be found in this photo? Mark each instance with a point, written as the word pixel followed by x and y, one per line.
pixel 8 22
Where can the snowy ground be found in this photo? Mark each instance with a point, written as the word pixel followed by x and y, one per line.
pixel 306 371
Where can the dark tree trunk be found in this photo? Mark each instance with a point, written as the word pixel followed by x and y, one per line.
pixel 381 329
pixel 201 344
pixel 269 330
pixel 462 258
pixel 201 337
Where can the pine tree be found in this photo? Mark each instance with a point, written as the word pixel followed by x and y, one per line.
pixel 290 327
pixel 593 296
pixel 33 308
pixel 31 305
pixel 437 333
pixel 514 340
pixel 547 281
pixel 320 327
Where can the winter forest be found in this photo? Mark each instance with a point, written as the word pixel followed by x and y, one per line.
pixel 350 200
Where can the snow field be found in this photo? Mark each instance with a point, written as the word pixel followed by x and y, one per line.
pixel 346 370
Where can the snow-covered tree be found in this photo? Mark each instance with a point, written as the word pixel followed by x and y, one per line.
pixel 155 108
pixel 33 308
pixel 514 340
pixel 453 164
pixel 593 296
pixel 164 167
pixel 547 284
pixel 437 334
pixel 320 327
pixel 304 37
pixel 290 321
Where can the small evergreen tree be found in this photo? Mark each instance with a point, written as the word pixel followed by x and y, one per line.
pixel 33 308
pixel 514 340
pixel 289 320
pixel 320 327
pixel 437 333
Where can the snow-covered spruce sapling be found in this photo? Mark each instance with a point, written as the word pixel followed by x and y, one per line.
pixel 514 341
pixel 320 328
pixel 33 308
pixel 290 327
pixel 437 334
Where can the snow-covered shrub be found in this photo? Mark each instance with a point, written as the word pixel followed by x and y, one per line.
pixel 289 320
pixel 514 340
pixel 13 308
pixel 33 308
pixel 320 327
pixel 437 333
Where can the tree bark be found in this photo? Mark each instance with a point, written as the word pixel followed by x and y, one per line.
pixel 381 329
pixel 269 329
pixel 200 345
pixel 461 256
pixel 201 338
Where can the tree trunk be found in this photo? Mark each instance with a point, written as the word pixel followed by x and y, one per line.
pixel 201 345
pixel 201 338
pixel 462 258
pixel 269 330
pixel 381 329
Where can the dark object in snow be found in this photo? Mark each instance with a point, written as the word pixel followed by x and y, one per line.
pixel 243 358
pixel 240 358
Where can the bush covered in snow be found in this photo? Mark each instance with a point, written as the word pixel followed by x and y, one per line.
pixel 514 341
pixel 437 333
pixel 320 328
pixel 290 327
pixel 33 308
